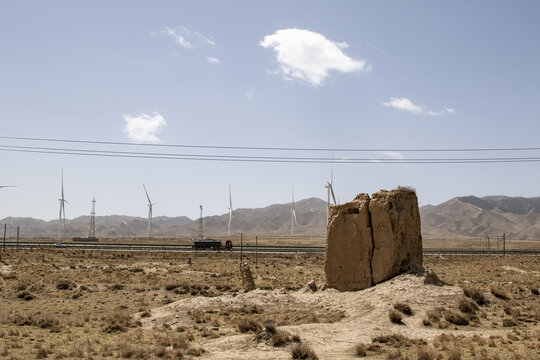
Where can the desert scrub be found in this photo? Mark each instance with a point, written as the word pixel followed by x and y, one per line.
pixel 404 308
pixel 247 325
pixel 117 322
pixel 475 294
pixel 467 306
pixel 360 350
pixel 395 316
pixel 499 293
pixel 456 318
pixel 302 351
pixel 424 354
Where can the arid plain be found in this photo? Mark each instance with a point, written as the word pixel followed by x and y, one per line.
pixel 74 304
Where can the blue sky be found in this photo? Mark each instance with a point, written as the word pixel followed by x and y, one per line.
pixel 307 74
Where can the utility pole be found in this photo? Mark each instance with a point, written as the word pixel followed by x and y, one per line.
pixel 504 244
pixel 5 229
pixel 256 250
pixel 92 233
pixel 17 238
pixel 241 246
pixel 200 225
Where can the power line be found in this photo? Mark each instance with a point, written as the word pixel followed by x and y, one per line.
pixel 267 148
pixel 262 159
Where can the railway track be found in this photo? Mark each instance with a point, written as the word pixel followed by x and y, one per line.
pixel 246 249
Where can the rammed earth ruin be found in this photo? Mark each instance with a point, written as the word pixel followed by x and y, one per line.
pixel 370 240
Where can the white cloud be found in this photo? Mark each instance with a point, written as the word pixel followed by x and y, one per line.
pixel 309 56
pixel 394 155
pixel 213 60
pixel 406 104
pixel 144 127
pixel 185 37
pixel 250 94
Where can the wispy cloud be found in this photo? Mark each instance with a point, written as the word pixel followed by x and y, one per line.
pixel 185 37
pixel 144 127
pixel 213 60
pixel 309 56
pixel 250 94
pixel 406 104
pixel 393 154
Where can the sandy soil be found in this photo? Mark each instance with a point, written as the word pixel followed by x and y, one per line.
pixel 366 317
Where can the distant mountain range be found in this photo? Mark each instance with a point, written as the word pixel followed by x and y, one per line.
pixel 467 216
pixel 270 220
pixel 518 217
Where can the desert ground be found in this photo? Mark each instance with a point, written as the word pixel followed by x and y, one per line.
pixel 77 304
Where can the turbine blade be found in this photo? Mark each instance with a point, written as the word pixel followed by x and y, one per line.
pixel 332 192
pixel 294 216
pixel 146 192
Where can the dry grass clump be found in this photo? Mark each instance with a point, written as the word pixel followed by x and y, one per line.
pixel 454 354
pixel 247 325
pixel 25 295
pixel 467 306
pixel 499 293
pixel 395 317
pixel 404 308
pixel 424 354
pixel 64 285
pixel 456 318
pixel 360 350
pixel 475 294
pixel 509 322
pixel 275 337
pixel 302 351
pixel 117 322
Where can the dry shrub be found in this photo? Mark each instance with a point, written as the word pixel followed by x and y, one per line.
pixel 534 291
pixel 394 355
pixel 302 351
pixel 476 294
pixel 454 354
pixel 64 285
pixel 456 318
pixel 360 350
pixel 404 308
pixel 395 316
pixel 509 322
pixel 25 295
pixel 467 306
pixel 247 325
pixel 117 322
pixel 397 340
pixel 499 293
pixel 423 354
pixel 195 351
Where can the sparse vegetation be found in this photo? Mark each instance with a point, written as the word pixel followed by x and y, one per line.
pixel 499 293
pixel 302 350
pixel 475 294
pixel 456 318
pixel 404 308
pixel 360 350
pixel 395 316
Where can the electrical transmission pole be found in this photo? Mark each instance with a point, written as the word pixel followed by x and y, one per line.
pixel 92 233
pixel 200 225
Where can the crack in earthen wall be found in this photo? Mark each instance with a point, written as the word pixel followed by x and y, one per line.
pixel 372 247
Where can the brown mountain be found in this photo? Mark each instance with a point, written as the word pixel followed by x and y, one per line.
pixel 518 217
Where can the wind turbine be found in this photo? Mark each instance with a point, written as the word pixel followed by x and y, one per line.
pixel 150 204
pixel 293 216
pixel 62 213
pixel 230 209
pixel 330 191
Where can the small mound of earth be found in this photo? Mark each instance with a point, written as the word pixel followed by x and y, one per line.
pixel 358 316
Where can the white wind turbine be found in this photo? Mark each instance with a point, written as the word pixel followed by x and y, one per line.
pixel 330 191
pixel 293 216
pixel 62 214
pixel 150 204
pixel 230 209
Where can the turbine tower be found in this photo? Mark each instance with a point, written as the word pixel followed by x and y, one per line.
pixel 62 214
pixel 150 204
pixel 200 225
pixel 230 210
pixel 293 216
pixel 330 191
pixel 92 233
